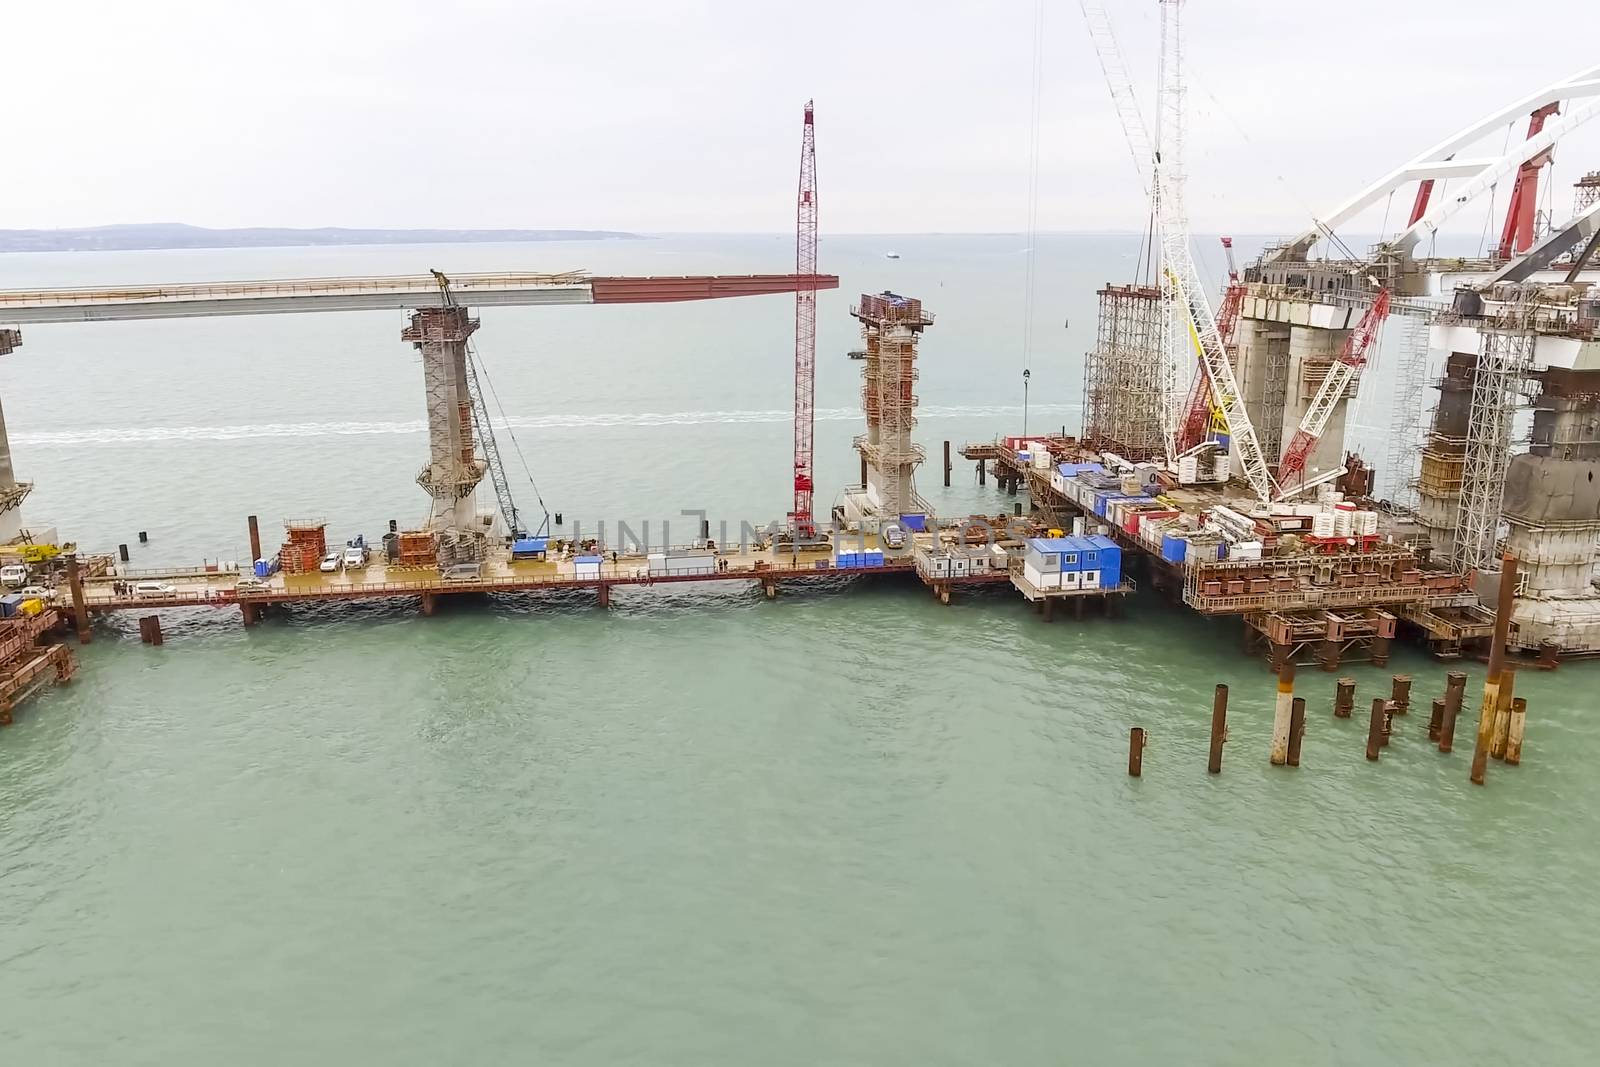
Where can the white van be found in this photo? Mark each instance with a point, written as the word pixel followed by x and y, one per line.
pixel 463 572
pixel 13 574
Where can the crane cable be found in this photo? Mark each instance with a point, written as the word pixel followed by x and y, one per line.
pixel 1033 210
pixel 449 299
pixel 505 422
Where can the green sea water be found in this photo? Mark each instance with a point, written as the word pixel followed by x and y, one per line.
pixel 847 826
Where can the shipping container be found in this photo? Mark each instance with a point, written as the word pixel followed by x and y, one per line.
pixel 1173 549
pixel 1045 553
pixel 529 548
pixel 1110 557
pixel 10 605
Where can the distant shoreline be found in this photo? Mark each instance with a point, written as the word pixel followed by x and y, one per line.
pixel 160 236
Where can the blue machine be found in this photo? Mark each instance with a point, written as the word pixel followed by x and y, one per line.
pixel 529 548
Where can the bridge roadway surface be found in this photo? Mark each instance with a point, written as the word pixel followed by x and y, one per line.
pixel 401 292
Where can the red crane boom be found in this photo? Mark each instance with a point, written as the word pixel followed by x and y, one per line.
pixel 1198 410
pixel 1516 236
pixel 1346 369
pixel 805 329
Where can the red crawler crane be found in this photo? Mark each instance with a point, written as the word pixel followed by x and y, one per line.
pixel 805 329
pixel 1198 410
pixel 1346 369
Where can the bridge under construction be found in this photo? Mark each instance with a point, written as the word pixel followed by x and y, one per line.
pixel 1212 467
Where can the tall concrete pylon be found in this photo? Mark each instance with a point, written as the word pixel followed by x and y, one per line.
pixel 12 491
pixel 454 470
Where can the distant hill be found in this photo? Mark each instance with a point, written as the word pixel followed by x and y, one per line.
pixel 148 235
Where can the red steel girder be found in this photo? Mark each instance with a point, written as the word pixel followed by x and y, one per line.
pixel 648 290
pixel 1516 236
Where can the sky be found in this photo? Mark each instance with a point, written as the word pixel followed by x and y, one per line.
pixel 684 116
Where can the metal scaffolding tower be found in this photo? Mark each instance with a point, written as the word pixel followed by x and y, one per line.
pixel 1274 396
pixel 1504 359
pixel 891 326
pixel 1585 194
pixel 454 470
pixel 1124 396
pixel 1405 422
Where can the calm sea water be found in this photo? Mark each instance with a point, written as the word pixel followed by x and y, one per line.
pixel 848 826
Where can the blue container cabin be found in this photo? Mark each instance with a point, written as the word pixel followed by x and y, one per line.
pixel 1051 555
pixel 1110 557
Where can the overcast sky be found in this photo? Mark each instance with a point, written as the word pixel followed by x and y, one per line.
pixel 684 115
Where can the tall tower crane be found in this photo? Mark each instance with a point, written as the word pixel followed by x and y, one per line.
pixel 1346 369
pixel 1184 288
pixel 805 329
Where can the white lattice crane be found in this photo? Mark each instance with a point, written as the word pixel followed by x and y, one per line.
pixel 1184 287
pixel 1345 370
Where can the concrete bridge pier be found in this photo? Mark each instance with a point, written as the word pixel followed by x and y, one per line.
pixel 454 470
pixel 12 492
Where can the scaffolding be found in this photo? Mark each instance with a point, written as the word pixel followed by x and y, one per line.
pixel 1126 385
pixel 891 327
pixel 453 472
pixel 1585 192
pixel 1505 357
pixel 1405 421
pixel 1274 395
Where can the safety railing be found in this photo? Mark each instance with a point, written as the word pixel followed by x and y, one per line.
pixel 1319 597
pixel 408 283
pixel 607 575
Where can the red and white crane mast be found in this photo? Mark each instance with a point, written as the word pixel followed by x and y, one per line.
pixel 805 330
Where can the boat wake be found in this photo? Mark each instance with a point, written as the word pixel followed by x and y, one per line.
pixel 108 435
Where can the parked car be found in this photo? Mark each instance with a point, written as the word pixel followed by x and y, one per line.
pixel 463 572
pixel 249 583
pixel 355 556
pixel 330 563
pixel 38 592
pixel 13 574
pixel 154 589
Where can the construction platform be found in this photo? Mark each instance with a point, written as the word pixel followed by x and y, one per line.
pixel 104 587
pixel 31 657
pixel 1332 600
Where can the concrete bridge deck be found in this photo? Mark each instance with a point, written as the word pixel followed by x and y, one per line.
pixel 379 293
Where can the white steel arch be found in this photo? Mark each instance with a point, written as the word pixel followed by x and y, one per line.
pixel 1439 161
